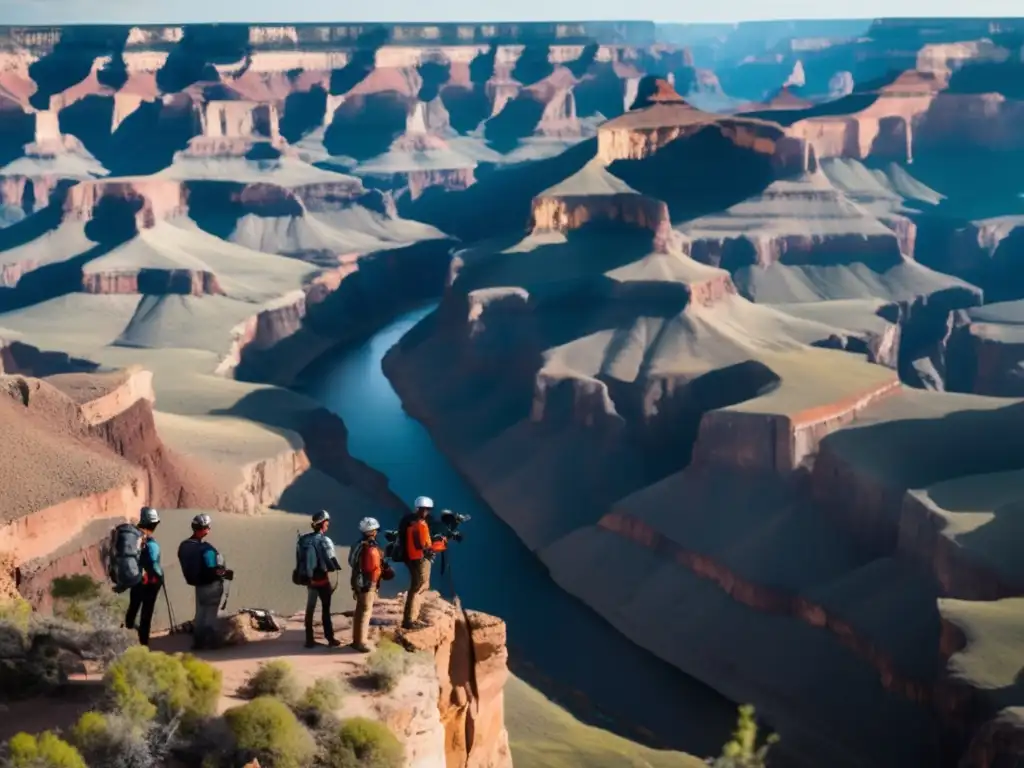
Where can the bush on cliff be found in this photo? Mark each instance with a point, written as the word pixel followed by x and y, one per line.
pixel 81 599
pixel 386 666
pixel 47 750
pixel 144 685
pixel 362 743
pixel 319 702
pixel 272 678
pixel 742 751
pixel 38 652
pixel 112 740
pixel 267 730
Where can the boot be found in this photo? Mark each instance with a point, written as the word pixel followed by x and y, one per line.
pixel 333 642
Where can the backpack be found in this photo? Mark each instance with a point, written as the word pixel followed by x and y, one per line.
pixel 124 564
pixel 354 556
pixel 190 557
pixel 306 559
pixel 396 550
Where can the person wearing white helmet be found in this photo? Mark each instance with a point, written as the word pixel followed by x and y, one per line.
pixel 316 559
pixel 368 568
pixel 418 550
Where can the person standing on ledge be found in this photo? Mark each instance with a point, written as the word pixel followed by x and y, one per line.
pixel 142 597
pixel 418 553
pixel 316 554
pixel 203 568
pixel 368 568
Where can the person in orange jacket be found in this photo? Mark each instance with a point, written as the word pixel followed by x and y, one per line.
pixel 368 568
pixel 420 549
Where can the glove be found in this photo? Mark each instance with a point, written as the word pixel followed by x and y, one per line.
pixel 229 575
pixel 456 536
pixel 387 573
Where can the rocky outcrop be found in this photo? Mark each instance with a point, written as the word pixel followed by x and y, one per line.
pixel 782 442
pixel 471 657
pixel 144 201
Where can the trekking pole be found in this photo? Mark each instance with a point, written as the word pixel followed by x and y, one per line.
pixel 170 611
pixel 227 593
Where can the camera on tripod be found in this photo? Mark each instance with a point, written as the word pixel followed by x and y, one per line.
pixel 451 521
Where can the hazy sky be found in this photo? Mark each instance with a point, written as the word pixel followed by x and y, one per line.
pixel 183 11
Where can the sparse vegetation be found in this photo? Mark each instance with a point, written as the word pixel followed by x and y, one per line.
pixel 273 678
pixel 144 685
pixel 81 599
pixel 386 666
pixel 362 743
pixel 320 701
pixel 742 751
pixel 47 750
pixel 266 729
pixel 112 740
pixel 16 612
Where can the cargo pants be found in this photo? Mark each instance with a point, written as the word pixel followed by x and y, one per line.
pixel 419 583
pixel 204 625
pixel 362 616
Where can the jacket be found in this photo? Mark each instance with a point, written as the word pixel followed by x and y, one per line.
pixel 149 559
pixel 418 541
pixel 326 560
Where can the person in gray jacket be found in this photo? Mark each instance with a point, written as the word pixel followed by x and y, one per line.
pixel 204 569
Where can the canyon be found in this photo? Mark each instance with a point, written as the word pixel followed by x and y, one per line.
pixel 733 308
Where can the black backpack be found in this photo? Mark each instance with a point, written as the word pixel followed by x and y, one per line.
pixel 124 558
pixel 396 551
pixel 190 557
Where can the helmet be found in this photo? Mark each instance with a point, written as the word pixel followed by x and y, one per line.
pixel 423 502
pixel 148 516
pixel 201 521
pixel 368 524
pixel 321 516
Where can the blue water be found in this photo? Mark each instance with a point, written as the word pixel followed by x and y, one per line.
pixel 495 573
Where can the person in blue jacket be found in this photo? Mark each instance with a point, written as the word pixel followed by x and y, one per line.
pixel 203 568
pixel 142 597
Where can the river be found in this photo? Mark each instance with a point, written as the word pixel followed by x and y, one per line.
pixel 549 631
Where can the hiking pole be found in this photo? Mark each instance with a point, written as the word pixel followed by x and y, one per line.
pixel 170 611
pixel 227 594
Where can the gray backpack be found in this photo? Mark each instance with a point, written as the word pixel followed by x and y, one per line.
pixel 306 559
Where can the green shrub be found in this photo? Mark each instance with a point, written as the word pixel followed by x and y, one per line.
pixel 144 684
pixel 267 730
pixel 47 750
pixel 77 587
pixel 319 701
pixel 386 666
pixel 742 750
pixel 17 612
pixel 362 743
pixel 113 741
pixel 272 678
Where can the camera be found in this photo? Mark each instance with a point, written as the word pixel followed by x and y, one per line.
pixel 451 521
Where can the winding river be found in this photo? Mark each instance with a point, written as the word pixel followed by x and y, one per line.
pixel 556 642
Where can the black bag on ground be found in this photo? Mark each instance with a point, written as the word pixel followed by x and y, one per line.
pixel 124 559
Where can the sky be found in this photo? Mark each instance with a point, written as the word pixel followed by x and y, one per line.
pixel 45 12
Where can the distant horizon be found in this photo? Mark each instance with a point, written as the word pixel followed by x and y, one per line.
pixel 267 12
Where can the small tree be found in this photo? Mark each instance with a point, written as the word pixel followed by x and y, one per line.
pixel 742 750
